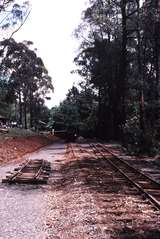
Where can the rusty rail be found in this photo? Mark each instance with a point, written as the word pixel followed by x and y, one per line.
pixel 32 172
pixel 145 184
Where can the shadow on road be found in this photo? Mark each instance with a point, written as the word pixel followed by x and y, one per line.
pixel 116 199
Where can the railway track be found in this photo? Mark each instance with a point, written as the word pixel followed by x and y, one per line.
pixel 32 172
pixel 145 184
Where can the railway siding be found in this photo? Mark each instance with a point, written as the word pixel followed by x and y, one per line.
pixel 31 172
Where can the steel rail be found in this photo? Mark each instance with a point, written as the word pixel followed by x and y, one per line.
pixel 152 199
pixel 128 165
pixel 36 168
pixel 39 170
pixel 11 178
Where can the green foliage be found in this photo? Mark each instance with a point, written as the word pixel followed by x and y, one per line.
pixel 13 15
pixel 120 59
pixel 132 135
pixel 26 78
pixel 77 113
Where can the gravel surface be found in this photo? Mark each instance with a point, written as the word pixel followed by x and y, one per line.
pixel 84 199
pixel 24 208
pixel 22 212
pixel 90 200
pixel 148 165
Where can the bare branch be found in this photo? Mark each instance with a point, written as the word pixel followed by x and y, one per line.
pixel 20 25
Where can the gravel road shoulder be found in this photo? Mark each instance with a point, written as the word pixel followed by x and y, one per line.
pixel 24 208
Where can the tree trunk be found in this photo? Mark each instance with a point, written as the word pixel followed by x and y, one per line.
pixel 25 113
pixel 141 80
pixel 31 109
pixel 124 61
pixel 100 126
pixel 156 38
pixel 121 81
pixel 20 108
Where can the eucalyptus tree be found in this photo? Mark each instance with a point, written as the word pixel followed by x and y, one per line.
pixel 27 76
pixel 105 55
pixel 13 15
pixel 120 58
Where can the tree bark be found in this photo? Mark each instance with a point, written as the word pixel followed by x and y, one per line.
pixel 121 81
pixel 31 109
pixel 20 108
pixel 25 112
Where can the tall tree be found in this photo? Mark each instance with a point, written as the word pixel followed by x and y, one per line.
pixel 12 17
pixel 26 74
pixel 119 57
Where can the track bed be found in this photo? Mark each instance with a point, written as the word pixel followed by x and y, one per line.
pixel 32 172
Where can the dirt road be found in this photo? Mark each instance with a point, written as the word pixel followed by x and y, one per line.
pixel 84 199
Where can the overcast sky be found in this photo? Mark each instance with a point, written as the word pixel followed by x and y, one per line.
pixel 50 26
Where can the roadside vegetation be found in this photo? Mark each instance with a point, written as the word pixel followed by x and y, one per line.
pixel 119 60
pixel 25 83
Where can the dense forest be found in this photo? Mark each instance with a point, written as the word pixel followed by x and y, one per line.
pixel 119 60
